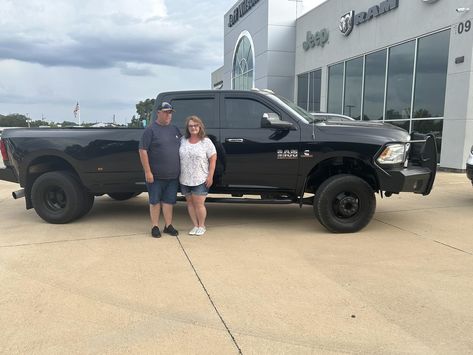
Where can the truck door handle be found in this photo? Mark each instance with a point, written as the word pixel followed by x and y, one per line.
pixel 234 140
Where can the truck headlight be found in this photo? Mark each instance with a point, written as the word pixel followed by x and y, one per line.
pixel 393 154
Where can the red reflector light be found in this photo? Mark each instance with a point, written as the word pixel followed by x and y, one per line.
pixel 3 148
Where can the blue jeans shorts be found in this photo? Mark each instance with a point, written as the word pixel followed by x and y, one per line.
pixel 199 190
pixel 163 190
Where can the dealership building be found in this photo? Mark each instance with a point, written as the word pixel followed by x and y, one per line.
pixel 406 62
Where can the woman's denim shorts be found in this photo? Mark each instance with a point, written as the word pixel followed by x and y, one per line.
pixel 200 190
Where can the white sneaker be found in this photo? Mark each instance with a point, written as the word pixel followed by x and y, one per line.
pixel 193 231
pixel 200 231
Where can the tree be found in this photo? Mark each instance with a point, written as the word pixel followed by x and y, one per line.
pixel 135 123
pixel 144 109
pixel 38 123
pixel 68 124
pixel 13 120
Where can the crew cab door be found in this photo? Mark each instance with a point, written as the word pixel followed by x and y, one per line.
pixel 257 157
pixel 206 107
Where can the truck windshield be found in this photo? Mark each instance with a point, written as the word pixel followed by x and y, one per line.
pixel 299 111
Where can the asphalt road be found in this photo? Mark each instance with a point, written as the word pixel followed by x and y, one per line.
pixel 263 280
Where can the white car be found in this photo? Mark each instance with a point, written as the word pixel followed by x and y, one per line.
pixel 469 166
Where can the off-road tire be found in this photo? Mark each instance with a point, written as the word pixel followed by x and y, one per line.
pixel 344 203
pixel 58 197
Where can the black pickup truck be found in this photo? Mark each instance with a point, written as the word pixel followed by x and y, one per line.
pixel 266 145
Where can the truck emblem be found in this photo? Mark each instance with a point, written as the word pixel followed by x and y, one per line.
pixel 307 154
pixel 287 154
pixel 346 23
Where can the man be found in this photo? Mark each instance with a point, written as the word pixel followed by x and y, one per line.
pixel 159 155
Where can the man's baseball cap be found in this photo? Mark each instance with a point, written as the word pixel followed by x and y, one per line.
pixel 165 106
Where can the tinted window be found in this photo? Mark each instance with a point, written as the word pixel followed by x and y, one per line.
pixel 302 87
pixel 353 83
pixel 400 73
pixel 203 108
pixel 243 113
pixel 375 73
pixel 314 90
pixel 335 86
pixel 431 75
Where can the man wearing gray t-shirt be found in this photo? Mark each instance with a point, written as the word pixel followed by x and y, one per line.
pixel 159 155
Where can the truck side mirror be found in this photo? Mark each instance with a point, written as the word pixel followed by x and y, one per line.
pixel 272 120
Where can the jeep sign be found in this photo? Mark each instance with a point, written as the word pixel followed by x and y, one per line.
pixel 317 39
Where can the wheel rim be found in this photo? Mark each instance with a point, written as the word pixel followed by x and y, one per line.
pixel 55 198
pixel 346 205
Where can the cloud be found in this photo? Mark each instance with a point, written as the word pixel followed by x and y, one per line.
pixel 136 70
pixel 108 54
pixel 89 34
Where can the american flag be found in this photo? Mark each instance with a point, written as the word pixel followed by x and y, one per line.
pixel 76 109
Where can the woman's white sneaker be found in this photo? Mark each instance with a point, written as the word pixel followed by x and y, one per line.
pixel 200 231
pixel 193 231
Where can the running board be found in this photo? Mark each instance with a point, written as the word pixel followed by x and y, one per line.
pixel 253 201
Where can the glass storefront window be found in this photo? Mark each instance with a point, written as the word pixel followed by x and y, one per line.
pixel 400 75
pixel 375 74
pixel 431 75
pixel 308 90
pixel 314 90
pixel 302 88
pixel 404 124
pixel 335 88
pixel 430 126
pixel 242 75
pixel 353 86
pixel 414 87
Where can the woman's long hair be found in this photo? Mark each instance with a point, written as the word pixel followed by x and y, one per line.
pixel 198 121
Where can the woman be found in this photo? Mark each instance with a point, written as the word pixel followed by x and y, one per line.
pixel 198 157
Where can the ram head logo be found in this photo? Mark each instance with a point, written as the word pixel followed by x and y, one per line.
pixel 346 23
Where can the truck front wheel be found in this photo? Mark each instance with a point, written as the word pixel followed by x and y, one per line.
pixel 344 203
pixel 58 197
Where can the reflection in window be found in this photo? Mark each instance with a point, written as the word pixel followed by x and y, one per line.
pixel 353 83
pixel 243 113
pixel 302 87
pixel 400 74
pixel 314 90
pixel 335 88
pixel 430 126
pixel 405 124
pixel 203 108
pixel 375 73
pixel 308 90
pixel 431 75
pixel 242 75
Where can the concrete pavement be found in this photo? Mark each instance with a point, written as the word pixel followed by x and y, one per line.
pixel 264 279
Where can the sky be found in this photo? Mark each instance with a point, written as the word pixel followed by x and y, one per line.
pixel 107 55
